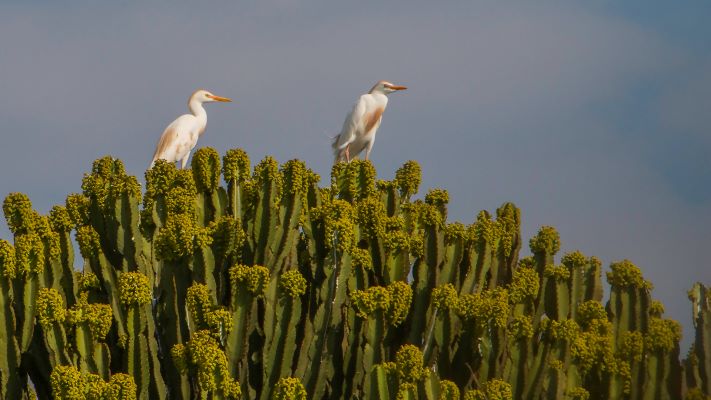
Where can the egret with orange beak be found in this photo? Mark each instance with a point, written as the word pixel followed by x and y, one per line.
pixel 362 123
pixel 181 136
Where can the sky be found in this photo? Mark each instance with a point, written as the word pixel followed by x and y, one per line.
pixel 593 117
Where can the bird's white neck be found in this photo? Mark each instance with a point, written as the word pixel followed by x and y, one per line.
pixel 197 109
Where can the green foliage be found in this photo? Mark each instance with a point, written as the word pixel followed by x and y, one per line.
pixel 275 288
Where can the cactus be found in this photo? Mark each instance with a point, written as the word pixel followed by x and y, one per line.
pixel 272 287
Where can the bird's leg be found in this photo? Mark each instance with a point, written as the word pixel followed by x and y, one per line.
pixel 367 150
pixel 184 161
pixel 348 153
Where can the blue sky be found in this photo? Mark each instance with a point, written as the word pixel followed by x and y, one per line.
pixel 593 117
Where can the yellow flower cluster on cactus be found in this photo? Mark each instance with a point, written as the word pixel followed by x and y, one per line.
pixel 445 297
pixel 29 253
pixel 589 311
pixel 361 258
pixel 206 169
pixel 656 308
pixel 227 235
pixel 88 240
pixel 86 281
pixel 108 182
pixel 98 317
pixel 68 383
pixel 556 364
pixel 203 357
pixel 367 302
pixel 490 306
pixel 663 335
pixel 59 219
pixel 177 189
pixel 509 217
pixel 354 180
pixel 411 214
pixel 255 278
pixel 19 214
pixel 298 179
pixel 631 346
pixel 205 314
pixel 384 186
pixel 448 390
pixel 78 209
pixel 371 217
pixel 160 178
pixel 593 348
pixel 289 389
pixel 406 391
pixel 267 173
pixel 429 216
pixel 454 232
pixel 485 231
pixel 574 259
pixel 180 200
pixel 577 393
pixel 524 286
pixel 8 261
pixel 337 219
pixel 177 238
pixel 393 300
pixel 408 178
pixel 625 275
pixel 50 307
pixel 397 242
pixel 494 389
pixel 566 329
pixel 546 241
pixel 400 300
pixel 292 283
pixel 521 327
pixel 417 245
pixel 134 289
pixel 410 364
pixel 236 165
pixel 559 273
pixel 437 197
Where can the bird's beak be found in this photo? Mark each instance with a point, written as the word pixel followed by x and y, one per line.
pixel 393 87
pixel 218 98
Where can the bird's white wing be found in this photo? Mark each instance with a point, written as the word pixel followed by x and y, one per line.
pixel 173 139
pixel 352 124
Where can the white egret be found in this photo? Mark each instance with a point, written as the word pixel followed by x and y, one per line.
pixel 362 123
pixel 181 136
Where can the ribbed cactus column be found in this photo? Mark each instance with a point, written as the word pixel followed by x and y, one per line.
pixel 697 367
pixel 11 384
